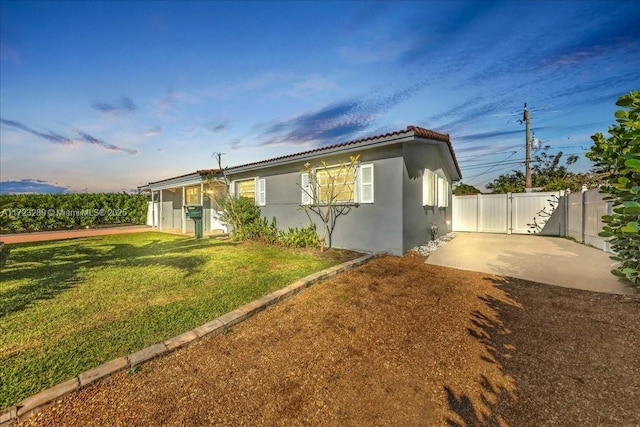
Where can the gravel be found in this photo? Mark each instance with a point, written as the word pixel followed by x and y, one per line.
pixel 433 245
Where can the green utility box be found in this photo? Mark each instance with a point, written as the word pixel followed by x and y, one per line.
pixel 194 212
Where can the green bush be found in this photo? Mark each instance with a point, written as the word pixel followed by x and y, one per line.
pixel 239 213
pixel 47 212
pixel 306 237
pixel 618 158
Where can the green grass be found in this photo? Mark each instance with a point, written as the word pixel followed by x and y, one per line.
pixel 68 306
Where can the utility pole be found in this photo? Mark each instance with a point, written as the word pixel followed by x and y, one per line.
pixel 527 162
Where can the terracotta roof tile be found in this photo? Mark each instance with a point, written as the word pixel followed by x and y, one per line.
pixel 416 130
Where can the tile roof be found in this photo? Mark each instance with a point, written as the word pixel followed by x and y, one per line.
pixel 409 131
pixel 415 130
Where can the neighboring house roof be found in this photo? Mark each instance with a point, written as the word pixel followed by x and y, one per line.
pixel 387 138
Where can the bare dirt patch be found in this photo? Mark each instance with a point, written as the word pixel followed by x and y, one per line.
pixel 395 342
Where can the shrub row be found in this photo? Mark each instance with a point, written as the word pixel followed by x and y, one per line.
pixel 244 216
pixel 46 212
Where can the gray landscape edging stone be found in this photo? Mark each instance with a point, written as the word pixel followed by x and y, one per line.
pixel 39 401
pixel 146 354
pixel 36 403
pixel 104 370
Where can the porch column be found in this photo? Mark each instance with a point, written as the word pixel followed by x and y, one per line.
pixel 184 215
pixel 153 209
pixel 204 223
pixel 160 212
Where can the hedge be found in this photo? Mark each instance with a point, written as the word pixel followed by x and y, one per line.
pixel 46 212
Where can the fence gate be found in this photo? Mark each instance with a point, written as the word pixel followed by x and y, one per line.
pixel 521 213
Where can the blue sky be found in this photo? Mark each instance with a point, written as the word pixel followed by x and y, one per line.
pixel 107 96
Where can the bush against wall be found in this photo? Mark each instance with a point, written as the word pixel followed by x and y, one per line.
pixel 618 159
pixel 47 212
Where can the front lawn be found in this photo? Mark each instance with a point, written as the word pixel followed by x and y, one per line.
pixel 68 306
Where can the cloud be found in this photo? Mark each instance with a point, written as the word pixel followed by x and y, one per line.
pixel 124 106
pixel 31 186
pixel 49 136
pixel 488 135
pixel 8 54
pixel 110 147
pixel 336 122
pixel 63 140
pixel 375 51
pixel 217 126
pixel 616 33
pixel 154 131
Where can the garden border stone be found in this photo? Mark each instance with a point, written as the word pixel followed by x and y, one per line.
pixel 36 403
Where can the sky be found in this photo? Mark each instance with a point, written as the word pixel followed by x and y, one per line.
pixel 108 96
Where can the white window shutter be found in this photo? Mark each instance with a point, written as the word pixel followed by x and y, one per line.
pixel 306 189
pixel 428 188
pixel 262 192
pixel 365 192
pixel 232 188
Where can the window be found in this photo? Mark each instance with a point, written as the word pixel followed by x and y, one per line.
pixel 366 184
pixel 428 188
pixel 192 196
pixel 247 188
pixel 344 184
pixel 335 182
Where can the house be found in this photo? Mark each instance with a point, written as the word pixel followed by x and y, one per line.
pixel 402 187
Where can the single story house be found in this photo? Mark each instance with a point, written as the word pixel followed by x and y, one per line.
pixel 402 188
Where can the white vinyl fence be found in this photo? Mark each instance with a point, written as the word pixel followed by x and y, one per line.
pixel 584 219
pixel 577 215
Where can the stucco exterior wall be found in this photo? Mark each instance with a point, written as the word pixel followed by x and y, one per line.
pixel 370 227
pixel 418 219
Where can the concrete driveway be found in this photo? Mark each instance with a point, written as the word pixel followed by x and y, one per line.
pixel 551 260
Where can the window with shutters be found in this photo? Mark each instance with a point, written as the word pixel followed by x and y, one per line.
pixel 254 189
pixel 339 181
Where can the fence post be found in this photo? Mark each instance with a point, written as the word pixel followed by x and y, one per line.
pixel 509 213
pixel 584 214
pixel 478 200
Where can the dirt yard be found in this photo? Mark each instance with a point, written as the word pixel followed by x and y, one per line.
pixel 395 342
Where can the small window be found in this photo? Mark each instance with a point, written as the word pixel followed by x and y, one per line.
pixel 246 188
pixel 366 183
pixel 428 188
pixel 262 192
pixel 306 189
pixel 192 196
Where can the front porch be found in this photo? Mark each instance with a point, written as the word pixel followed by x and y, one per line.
pixel 169 197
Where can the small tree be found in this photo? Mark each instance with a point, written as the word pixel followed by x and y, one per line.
pixel 463 189
pixel 547 174
pixel 618 158
pixel 329 191
pixel 237 212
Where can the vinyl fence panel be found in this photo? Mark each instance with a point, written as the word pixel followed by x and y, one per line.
pixel 577 215
pixel 524 213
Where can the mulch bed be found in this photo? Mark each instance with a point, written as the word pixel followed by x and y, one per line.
pixel 395 342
